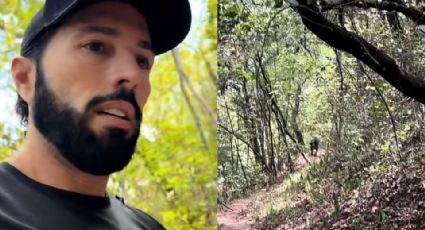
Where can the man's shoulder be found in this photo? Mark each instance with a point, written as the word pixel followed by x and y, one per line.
pixel 7 176
pixel 3 166
pixel 139 216
pixel 6 169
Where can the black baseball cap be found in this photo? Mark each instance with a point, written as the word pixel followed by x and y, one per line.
pixel 168 20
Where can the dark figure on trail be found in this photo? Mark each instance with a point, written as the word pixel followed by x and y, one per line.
pixel 314 146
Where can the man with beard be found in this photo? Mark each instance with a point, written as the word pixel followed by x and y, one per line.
pixel 82 82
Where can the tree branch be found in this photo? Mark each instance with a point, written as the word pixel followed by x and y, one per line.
pixel 337 37
pixel 412 13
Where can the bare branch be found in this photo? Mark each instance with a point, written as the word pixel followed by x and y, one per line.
pixel 412 13
pixel 338 37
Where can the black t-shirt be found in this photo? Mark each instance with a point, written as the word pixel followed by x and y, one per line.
pixel 26 204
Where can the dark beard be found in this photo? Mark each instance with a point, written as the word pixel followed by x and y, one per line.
pixel 68 131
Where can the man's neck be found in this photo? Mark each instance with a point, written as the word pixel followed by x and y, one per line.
pixel 39 160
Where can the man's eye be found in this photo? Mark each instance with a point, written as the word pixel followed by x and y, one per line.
pixel 96 47
pixel 143 63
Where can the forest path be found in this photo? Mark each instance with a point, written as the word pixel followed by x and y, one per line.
pixel 239 215
pixel 235 217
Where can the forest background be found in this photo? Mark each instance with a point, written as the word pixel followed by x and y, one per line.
pixel 350 72
pixel 173 173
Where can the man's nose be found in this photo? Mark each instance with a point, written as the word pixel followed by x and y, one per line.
pixel 126 72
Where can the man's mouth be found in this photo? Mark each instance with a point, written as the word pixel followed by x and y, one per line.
pixel 119 109
pixel 115 113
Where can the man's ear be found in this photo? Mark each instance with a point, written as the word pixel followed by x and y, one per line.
pixel 24 75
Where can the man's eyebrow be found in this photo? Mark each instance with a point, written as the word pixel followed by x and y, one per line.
pixel 108 31
pixel 145 45
pixel 99 30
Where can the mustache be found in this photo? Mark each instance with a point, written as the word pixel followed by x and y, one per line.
pixel 123 95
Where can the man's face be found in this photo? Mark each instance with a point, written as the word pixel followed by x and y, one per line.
pixel 92 83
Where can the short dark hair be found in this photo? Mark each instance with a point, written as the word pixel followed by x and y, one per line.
pixel 34 52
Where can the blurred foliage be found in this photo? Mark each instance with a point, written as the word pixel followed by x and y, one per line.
pixel 172 175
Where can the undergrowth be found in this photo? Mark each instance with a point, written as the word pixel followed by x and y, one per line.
pixel 348 191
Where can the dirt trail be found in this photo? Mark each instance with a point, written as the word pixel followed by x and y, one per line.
pixel 238 216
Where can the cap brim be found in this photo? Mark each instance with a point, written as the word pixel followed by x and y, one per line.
pixel 168 20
